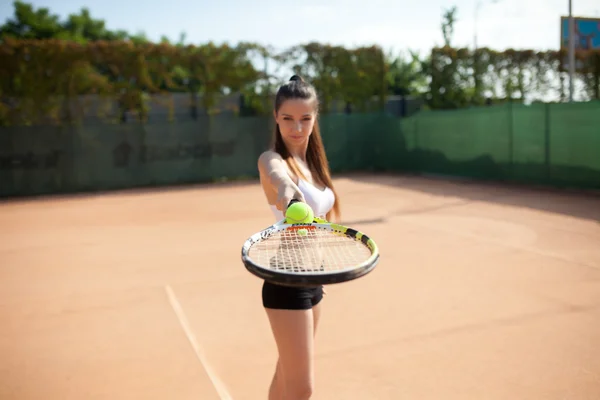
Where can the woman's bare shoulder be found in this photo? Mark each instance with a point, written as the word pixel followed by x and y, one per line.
pixel 269 155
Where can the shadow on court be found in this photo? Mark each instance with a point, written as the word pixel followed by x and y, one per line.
pixel 495 323
pixel 579 204
pixel 135 191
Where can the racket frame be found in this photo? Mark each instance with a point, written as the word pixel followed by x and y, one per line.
pixel 301 279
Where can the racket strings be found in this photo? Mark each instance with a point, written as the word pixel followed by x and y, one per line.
pixel 309 250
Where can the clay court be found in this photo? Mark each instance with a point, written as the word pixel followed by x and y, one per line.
pixel 483 292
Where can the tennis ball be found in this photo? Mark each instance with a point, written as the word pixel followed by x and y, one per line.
pixel 299 213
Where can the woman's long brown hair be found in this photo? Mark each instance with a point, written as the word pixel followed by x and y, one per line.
pixel 316 158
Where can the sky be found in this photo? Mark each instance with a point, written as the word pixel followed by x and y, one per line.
pixel 393 24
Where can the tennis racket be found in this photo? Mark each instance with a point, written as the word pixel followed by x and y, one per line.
pixel 312 254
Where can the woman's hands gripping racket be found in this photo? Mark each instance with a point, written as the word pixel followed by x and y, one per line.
pixel 309 254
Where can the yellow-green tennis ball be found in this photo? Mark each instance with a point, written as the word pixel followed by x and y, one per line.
pixel 299 213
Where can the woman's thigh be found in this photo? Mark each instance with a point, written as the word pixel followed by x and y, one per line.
pixel 293 331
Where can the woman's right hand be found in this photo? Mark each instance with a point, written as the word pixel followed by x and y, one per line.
pixel 287 192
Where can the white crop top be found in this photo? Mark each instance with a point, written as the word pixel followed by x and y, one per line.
pixel 321 201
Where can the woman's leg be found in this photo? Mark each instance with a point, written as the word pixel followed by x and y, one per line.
pixel 294 316
pixel 294 336
pixel 276 388
pixel 316 314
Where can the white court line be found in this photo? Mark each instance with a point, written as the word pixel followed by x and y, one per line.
pixel 219 386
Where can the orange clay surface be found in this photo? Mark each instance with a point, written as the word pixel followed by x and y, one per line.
pixel 483 292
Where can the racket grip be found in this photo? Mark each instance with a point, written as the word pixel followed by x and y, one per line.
pixel 292 201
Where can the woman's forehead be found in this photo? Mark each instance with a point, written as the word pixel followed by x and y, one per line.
pixel 297 107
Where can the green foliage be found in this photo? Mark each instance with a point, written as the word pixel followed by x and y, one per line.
pixel 461 77
pixel 449 18
pixel 29 23
pixel 124 66
pixel 44 74
pixel 45 63
pixel 351 75
pixel 407 76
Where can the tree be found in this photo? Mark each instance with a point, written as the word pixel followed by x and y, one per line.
pixel 406 75
pixel 448 21
pixel 30 23
pixel 447 70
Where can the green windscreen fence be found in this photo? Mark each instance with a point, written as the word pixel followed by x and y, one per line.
pixel 540 143
pixel 41 160
pixel 472 142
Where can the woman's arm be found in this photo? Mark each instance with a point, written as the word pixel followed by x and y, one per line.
pixel 277 184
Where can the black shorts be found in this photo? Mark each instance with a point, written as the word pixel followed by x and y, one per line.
pixel 290 298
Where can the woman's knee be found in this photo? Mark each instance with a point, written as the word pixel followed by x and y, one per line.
pixel 294 385
pixel 298 390
pixel 294 374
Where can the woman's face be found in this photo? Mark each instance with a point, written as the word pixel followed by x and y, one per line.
pixel 296 118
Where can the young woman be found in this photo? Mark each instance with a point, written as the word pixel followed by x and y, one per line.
pixel 296 168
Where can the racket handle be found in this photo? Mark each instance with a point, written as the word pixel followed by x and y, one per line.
pixel 292 201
